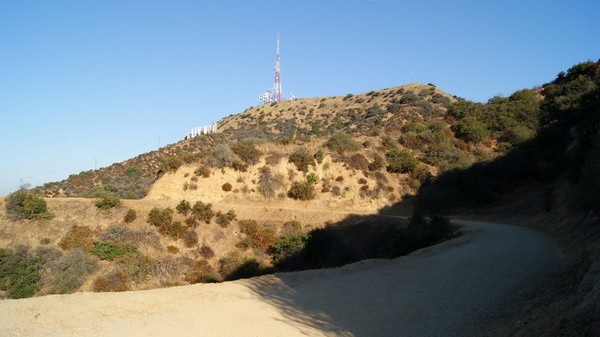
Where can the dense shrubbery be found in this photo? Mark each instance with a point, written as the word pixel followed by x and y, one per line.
pixel 401 161
pixel 107 203
pixel 70 271
pixel 342 142
pixel 570 119
pixel 130 216
pixel 25 205
pixel 160 217
pixel 202 211
pixel 258 236
pixel 109 251
pixel 19 273
pixel 287 245
pixel 247 152
pixel 224 219
pixel 268 184
pixel 301 190
pixel 78 237
pixel 302 159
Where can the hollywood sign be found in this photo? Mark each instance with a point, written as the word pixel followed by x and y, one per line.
pixel 202 130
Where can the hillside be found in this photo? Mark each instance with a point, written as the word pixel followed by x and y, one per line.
pixel 320 182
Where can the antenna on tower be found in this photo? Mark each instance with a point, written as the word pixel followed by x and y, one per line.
pixel 275 94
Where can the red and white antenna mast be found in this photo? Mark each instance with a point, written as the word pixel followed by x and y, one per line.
pixel 277 92
pixel 274 94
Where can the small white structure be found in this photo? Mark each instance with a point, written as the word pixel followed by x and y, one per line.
pixel 202 130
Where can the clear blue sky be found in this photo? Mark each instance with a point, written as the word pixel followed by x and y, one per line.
pixel 85 83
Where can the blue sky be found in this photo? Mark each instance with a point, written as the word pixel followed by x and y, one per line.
pixel 84 84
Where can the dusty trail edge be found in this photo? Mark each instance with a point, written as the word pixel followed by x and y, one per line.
pixel 451 289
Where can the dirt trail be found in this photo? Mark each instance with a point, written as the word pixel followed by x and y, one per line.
pixel 446 290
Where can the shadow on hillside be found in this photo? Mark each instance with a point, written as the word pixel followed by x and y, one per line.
pixel 314 299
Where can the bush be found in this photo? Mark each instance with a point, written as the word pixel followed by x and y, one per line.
pixel 222 156
pixel 342 142
pixel 471 130
pixel 301 191
pixel 291 226
pixel 78 237
pixel 247 152
pixel 109 251
pixel 183 207
pixel 190 239
pixel 130 216
pixel 203 212
pixel 19 275
pixel 114 281
pixel 25 205
pixel 160 217
pixel 226 187
pixel 107 203
pixel 224 219
pixel 70 271
pixel 202 273
pixel 287 245
pixel 377 164
pixel 259 236
pixel 401 161
pixel 302 159
pixel 207 252
pixel 174 230
pixel 319 156
pixel 358 162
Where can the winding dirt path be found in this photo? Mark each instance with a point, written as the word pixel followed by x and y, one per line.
pixel 446 290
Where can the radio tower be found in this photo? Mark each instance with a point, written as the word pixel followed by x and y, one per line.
pixel 275 94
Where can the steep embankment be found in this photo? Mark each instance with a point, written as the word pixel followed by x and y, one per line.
pixel 445 290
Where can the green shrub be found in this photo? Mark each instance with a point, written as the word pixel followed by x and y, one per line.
pixel 109 251
pixel 247 152
pixel 319 156
pixel 471 130
pixel 342 142
pixel 25 205
pixel 302 159
pixel 174 230
pixel 301 191
pixel 184 207
pixel 107 203
pixel 203 212
pixel 287 245
pixel 19 275
pixel 224 219
pixel 130 216
pixel 160 217
pixel 400 161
